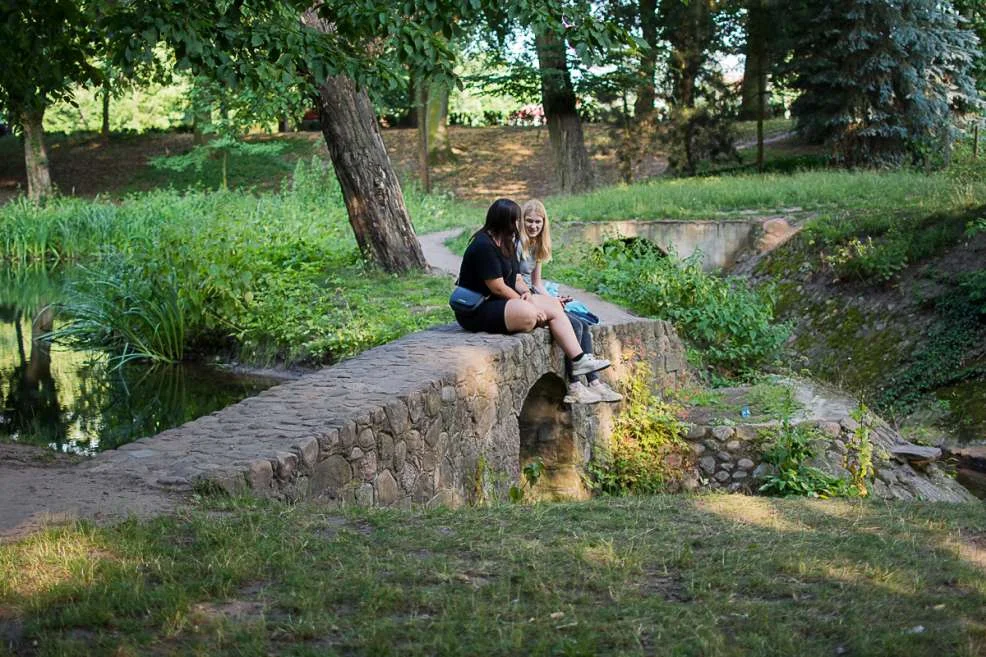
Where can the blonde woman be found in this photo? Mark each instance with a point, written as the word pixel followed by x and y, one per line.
pixel 489 269
pixel 533 250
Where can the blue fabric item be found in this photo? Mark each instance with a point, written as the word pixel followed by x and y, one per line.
pixel 578 309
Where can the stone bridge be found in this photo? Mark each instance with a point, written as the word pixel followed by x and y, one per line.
pixel 438 416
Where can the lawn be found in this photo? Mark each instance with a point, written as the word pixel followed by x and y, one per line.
pixel 670 575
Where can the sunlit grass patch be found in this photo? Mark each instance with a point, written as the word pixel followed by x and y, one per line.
pixel 715 575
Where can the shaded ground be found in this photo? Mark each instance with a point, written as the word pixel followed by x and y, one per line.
pixel 487 162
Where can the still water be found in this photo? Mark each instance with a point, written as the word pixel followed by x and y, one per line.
pixel 966 410
pixel 74 401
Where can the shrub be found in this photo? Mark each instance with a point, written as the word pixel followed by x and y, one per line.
pixel 647 447
pixel 274 277
pixel 789 449
pixel 730 321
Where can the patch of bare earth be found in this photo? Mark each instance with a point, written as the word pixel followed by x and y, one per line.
pixel 487 162
pixel 86 166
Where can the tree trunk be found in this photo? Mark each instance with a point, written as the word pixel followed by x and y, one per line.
pixel 410 120
pixel 759 33
pixel 283 124
pixel 423 128
pixel 643 107
pixel 104 130
pixel 35 155
pixel 200 122
pixel 571 160
pixel 439 146
pixel 757 60
pixel 370 187
pixel 688 27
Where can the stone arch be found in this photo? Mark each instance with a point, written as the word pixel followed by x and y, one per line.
pixel 547 431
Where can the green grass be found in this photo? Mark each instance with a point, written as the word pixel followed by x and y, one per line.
pixel 814 190
pixel 273 277
pixel 747 130
pixel 671 575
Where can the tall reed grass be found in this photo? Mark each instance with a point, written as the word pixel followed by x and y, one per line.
pixel 272 277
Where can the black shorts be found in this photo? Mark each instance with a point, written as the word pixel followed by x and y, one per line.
pixel 488 318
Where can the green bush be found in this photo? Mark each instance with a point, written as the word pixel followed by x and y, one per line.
pixel 647 447
pixel 876 245
pixel 789 448
pixel 728 320
pixel 273 277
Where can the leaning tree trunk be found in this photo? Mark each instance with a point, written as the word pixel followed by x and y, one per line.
pixel 571 160
pixel 643 107
pixel 369 185
pixel 35 155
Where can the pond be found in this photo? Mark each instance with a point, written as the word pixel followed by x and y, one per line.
pixel 75 401
pixel 966 410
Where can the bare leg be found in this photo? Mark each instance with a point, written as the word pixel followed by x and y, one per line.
pixel 520 316
pixel 558 324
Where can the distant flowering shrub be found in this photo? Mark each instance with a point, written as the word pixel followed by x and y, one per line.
pixel 528 115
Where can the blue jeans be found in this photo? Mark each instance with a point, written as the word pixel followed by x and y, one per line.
pixel 584 336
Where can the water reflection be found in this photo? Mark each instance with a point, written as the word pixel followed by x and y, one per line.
pixel 966 406
pixel 74 401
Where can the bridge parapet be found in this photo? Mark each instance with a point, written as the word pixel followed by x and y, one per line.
pixel 424 419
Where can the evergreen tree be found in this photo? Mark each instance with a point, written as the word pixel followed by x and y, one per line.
pixel 880 79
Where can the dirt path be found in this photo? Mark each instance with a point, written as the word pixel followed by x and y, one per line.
pixel 39 488
pixel 439 257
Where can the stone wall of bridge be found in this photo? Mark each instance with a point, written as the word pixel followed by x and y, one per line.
pixel 440 416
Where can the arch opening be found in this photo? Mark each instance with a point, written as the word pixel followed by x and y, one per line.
pixel 547 432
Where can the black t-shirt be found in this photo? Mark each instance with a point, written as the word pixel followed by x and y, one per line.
pixel 483 261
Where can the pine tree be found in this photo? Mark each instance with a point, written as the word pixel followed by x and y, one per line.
pixel 880 79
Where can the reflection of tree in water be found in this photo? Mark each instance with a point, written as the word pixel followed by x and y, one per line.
pixel 30 409
pixel 124 404
pixel 91 406
pixel 121 405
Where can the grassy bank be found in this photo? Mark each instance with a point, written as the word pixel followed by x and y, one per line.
pixel 268 277
pixel 819 191
pixel 719 575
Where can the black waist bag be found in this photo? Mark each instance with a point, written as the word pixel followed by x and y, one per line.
pixel 464 300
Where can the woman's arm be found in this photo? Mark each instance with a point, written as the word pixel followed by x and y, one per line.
pixel 499 288
pixel 536 281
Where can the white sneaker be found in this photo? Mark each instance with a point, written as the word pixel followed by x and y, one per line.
pixel 604 392
pixel 588 363
pixel 578 393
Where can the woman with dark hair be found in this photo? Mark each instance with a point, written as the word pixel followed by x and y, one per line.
pixel 490 267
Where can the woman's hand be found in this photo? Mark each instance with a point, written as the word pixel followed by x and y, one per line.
pixel 525 296
pixel 563 299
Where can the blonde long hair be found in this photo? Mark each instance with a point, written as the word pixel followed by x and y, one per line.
pixel 540 246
